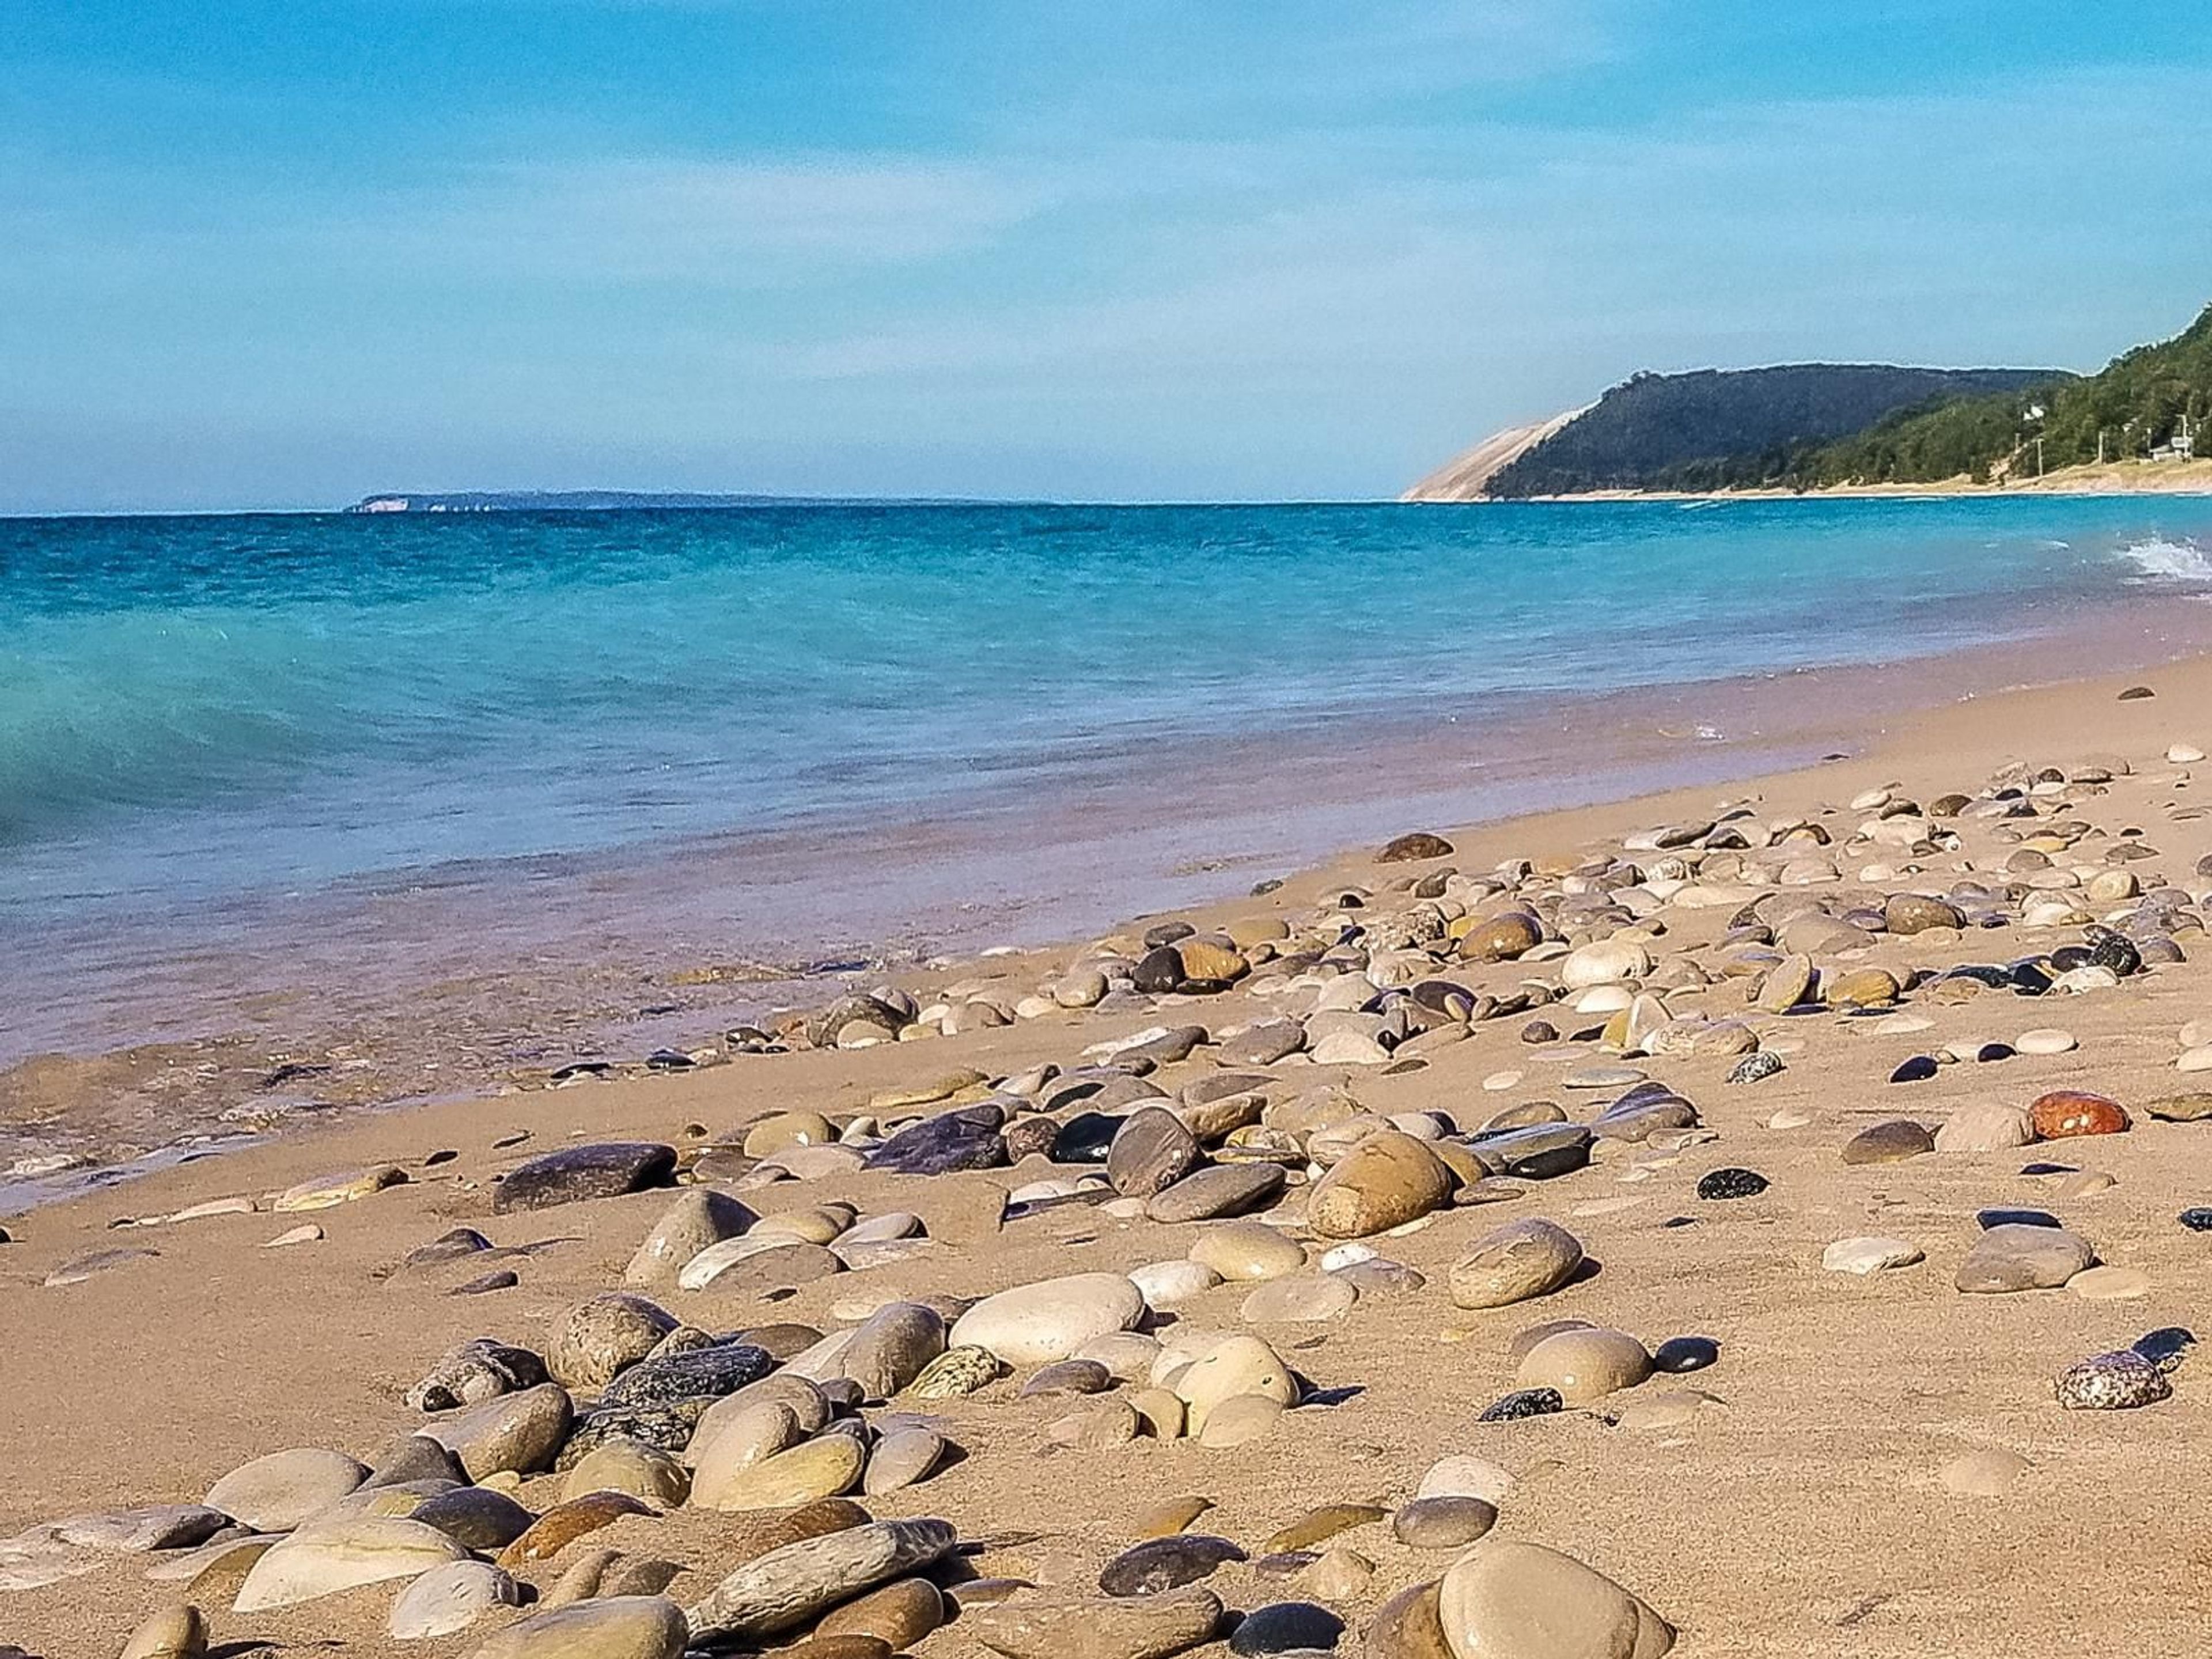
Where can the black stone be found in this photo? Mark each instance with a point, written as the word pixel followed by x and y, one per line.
pixel 1732 1183
pixel 1523 1402
pixel 1086 1137
pixel 1997 978
pixel 1287 1627
pixel 666 1423
pixel 2117 951
pixel 1164 1564
pixel 2043 1168
pixel 1679 1221
pixel 720 1370
pixel 1918 1069
pixel 1537 1152
pixel 1989 1051
pixel 2166 1347
pixel 2010 1217
pixel 965 1138
pixel 1686 1353
pixel 2197 1219
pixel 500 1278
pixel 446 1247
pixel 2029 979
pixel 607 1170
pixel 1167 932
pixel 414 1457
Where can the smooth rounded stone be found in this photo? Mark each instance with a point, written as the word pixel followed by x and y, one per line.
pixel 1299 1300
pixel 449 1598
pixel 1060 1626
pixel 2012 1216
pixel 1678 1355
pixel 1989 1472
pixel 902 1458
pixel 1918 1069
pixel 1169 1283
pixel 2192 1107
pixel 2197 1219
pixel 519 1431
pixel 1233 1368
pixel 1169 1515
pixel 891 1346
pixel 967 1138
pixel 898 1615
pixel 1604 962
pixel 699 1218
pixel 607 1169
pixel 594 1340
pixel 958 1370
pixel 2011 1257
pixel 1862 987
pixel 1159 1564
pixel 1151 1151
pixel 1516 1262
pixel 476 1517
pixel 1286 1627
pixel 1584 1365
pixel 1869 1254
pixel 604 1628
pixel 2110 1284
pixel 1409 1625
pixel 1386 1181
pixel 2111 1382
pixel 1502 937
pixel 348 1552
pixel 1247 1251
pixel 2063 1113
pixel 1888 1143
pixel 1222 1189
pixel 276 1493
pixel 1067 1376
pixel 1096 1427
pixel 2083 1184
pixel 1539 1153
pixel 713 1371
pixel 1915 913
pixel 1517 1346
pixel 1460 1475
pixel 1602 1077
pixel 1665 1411
pixel 827 1466
pixel 790 1586
pixel 1382 1278
pixel 1509 1600
pixel 1160 1413
pixel 1985 1126
pixel 1443 1523
pixel 176 1632
pixel 1238 1422
pixel 1036 1324
pixel 565 1523
pixel 642 1472
pixel 2045 1040
pixel 1723 1184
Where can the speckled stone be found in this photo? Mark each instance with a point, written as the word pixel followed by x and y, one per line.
pixel 2111 1382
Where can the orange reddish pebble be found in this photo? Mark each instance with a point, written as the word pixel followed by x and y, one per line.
pixel 2064 1113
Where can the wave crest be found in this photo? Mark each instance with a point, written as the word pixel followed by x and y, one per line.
pixel 2159 559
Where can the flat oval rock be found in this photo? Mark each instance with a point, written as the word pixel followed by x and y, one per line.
pixel 2111 1382
pixel 965 1138
pixel 1165 1563
pixel 604 1170
pixel 723 1369
pixel 1225 1190
pixel 1888 1143
pixel 2011 1257
pixel 1523 1402
pixel 1685 1353
pixel 1285 1627
pixel 1443 1523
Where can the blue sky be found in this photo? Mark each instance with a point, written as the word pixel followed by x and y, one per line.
pixel 283 254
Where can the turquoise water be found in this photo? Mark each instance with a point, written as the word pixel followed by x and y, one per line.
pixel 197 714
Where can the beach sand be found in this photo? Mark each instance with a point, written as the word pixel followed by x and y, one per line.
pixel 1802 1511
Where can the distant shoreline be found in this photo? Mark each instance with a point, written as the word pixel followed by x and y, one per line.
pixel 2113 478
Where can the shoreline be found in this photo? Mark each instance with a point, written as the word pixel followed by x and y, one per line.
pixel 2114 480
pixel 648 959
pixel 1836 1403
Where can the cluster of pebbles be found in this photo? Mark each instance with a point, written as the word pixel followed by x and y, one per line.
pixel 529 1494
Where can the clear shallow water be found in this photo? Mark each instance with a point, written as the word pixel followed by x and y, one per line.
pixel 200 718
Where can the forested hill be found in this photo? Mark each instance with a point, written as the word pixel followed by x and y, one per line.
pixel 2144 404
pixel 1733 428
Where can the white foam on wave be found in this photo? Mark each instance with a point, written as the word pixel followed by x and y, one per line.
pixel 2168 561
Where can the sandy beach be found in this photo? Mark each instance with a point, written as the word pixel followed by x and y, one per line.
pixel 1874 1464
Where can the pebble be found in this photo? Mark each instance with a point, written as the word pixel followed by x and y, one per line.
pixel 1870 1254
pixel 1166 1564
pixel 2064 1113
pixel 1732 1183
pixel 1918 1069
pixel 1318 1526
pixel 1987 1126
pixel 176 1632
pixel 448 1599
pixel 2010 1256
pixel 1523 1402
pixel 2045 1040
pixel 276 1493
pixel 1509 1600
pixel 1583 1365
pixel 343 1554
pixel 1034 1324
pixel 1222 1189
pixel 605 1627
pixel 1386 1181
pixel 1300 1300
pixel 1060 1626
pixel 1888 1143
pixel 2111 1382
pixel 573 1174
pixel 1680 1354
pixel 1443 1523
pixel 1516 1262
pixel 1286 1627
pixel 1247 1251
pixel 1460 1475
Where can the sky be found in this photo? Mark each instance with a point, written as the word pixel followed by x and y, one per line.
pixel 262 254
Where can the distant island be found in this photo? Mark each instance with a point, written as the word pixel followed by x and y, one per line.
pixel 557 501
pixel 1862 427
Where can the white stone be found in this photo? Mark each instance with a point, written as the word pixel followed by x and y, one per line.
pixel 1036 1324
pixel 1868 1254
